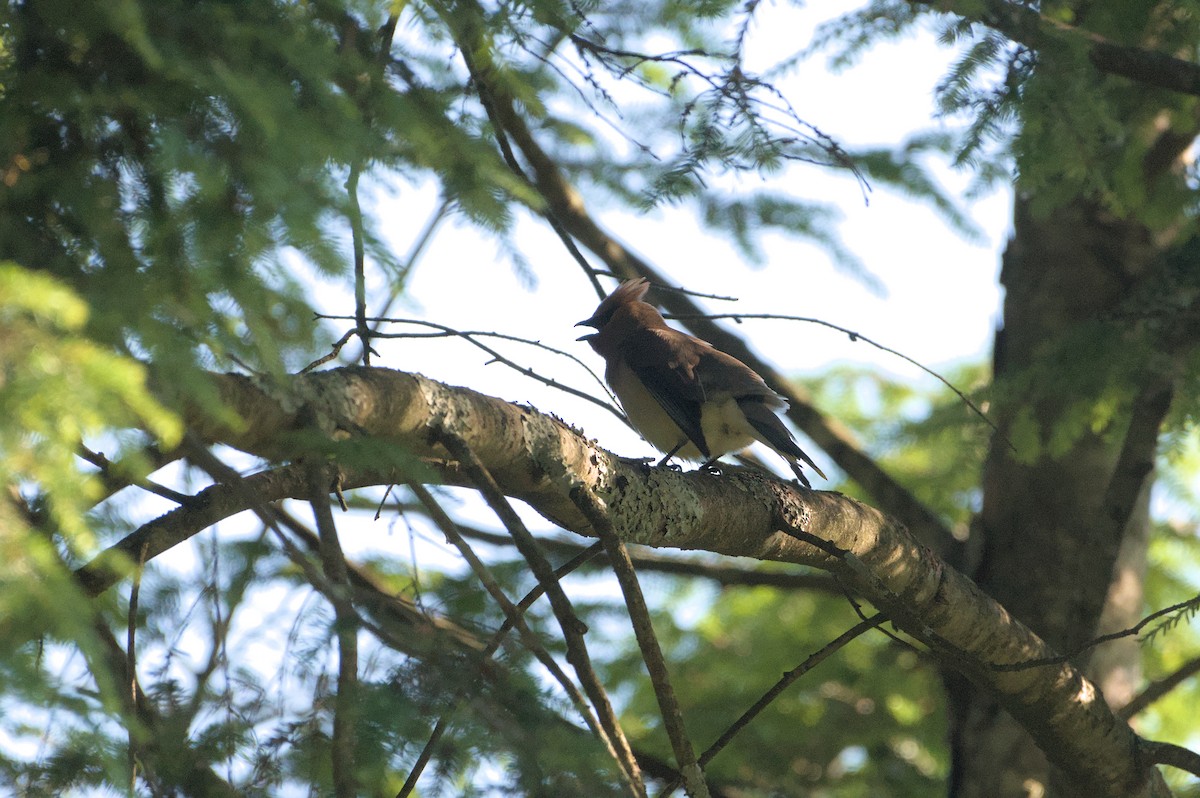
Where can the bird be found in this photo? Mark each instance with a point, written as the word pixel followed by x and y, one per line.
pixel 682 394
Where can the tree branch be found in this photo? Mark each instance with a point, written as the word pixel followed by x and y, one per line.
pixel 1169 754
pixel 572 628
pixel 1157 689
pixel 787 680
pixel 643 630
pixel 333 561
pixel 540 460
pixel 1024 25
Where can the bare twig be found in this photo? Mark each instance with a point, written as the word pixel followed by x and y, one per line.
pixel 1095 641
pixel 572 627
pixel 679 289
pixel 119 480
pixel 854 337
pixel 1159 688
pixel 513 614
pixel 334 351
pixel 131 665
pixel 400 281
pixel 786 681
pixel 346 710
pixel 469 336
pixel 360 279
pixel 643 630
pixel 443 722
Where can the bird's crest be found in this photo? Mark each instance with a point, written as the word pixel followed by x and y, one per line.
pixel 626 293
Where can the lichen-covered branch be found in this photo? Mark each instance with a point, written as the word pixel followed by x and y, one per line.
pixel 539 459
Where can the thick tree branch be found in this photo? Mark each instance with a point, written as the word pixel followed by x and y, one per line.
pixel 539 459
pixel 1024 25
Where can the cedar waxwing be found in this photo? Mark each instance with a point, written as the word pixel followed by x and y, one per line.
pixel 684 396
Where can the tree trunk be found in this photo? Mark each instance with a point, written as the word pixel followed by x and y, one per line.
pixel 1054 536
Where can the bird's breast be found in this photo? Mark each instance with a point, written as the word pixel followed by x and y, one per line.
pixel 724 425
pixel 645 413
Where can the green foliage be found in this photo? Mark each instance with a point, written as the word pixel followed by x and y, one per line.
pixel 60 388
pixel 1048 114
pixel 931 441
pixel 889 737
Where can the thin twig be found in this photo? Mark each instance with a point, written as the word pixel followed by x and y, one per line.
pixel 443 722
pixel 572 627
pixel 444 331
pixel 400 281
pixel 854 337
pixel 334 351
pixel 1159 688
pixel 107 467
pixel 346 710
pixel 786 681
pixel 360 278
pixel 679 289
pixel 1095 641
pixel 511 612
pixel 131 663
pixel 643 630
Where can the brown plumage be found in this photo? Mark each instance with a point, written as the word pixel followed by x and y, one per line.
pixel 684 396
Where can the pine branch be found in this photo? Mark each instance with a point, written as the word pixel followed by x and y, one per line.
pixel 1025 25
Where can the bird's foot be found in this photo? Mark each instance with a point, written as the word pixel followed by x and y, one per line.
pixel 666 462
pixel 712 467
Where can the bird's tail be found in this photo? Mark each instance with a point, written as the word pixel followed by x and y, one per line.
pixel 773 433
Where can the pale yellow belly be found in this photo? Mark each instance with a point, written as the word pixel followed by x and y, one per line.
pixel 724 426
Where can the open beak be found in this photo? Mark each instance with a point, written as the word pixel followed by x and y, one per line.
pixel 586 323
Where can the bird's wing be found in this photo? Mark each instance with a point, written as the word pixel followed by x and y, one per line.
pixel 723 375
pixel 665 363
pixel 772 432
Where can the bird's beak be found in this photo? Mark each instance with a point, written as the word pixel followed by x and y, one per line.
pixel 586 323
